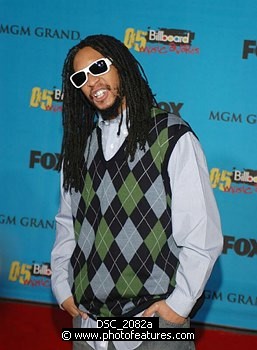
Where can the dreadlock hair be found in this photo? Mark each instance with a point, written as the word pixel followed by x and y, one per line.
pixel 79 114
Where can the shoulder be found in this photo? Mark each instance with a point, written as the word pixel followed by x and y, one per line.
pixel 171 123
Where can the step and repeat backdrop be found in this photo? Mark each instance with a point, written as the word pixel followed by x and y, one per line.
pixel 201 61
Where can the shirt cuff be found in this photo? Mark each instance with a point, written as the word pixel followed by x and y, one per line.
pixel 180 303
pixel 62 292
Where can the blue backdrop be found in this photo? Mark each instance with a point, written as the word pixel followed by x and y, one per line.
pixel 201 61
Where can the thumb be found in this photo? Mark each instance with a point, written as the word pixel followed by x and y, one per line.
pixel 150 311
pixel 84 315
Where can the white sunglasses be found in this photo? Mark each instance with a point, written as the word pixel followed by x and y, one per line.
pixel 98 67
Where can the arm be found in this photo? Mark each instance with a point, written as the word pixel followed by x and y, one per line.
pixel 60 256
pixel 62 249
pixel 196 228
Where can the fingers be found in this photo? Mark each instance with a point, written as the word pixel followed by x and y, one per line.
pixel 151 310
pixel 84 315
pixel 165 312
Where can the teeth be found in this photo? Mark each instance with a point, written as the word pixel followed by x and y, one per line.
pixel 100 93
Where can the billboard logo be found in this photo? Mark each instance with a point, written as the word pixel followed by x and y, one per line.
pixel 235 181
pixel 34 275
pixel 167 36
pixel 160 41
pixel 46 99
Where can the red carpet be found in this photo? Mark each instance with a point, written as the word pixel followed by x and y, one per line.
pixel 26 326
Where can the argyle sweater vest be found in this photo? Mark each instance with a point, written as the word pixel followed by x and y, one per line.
pixel 123 260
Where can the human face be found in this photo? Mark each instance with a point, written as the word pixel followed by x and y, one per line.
pixel 102 90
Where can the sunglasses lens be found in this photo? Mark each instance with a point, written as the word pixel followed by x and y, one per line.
pixel 98 68
pixel 79 78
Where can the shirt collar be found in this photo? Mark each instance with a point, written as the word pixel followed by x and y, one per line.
pixel 102 122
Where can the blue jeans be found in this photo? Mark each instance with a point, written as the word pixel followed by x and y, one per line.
pixel 150 345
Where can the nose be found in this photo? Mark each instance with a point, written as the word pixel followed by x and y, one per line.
pixel 92 79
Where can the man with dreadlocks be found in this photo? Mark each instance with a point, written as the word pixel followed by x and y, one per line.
pixel 138 229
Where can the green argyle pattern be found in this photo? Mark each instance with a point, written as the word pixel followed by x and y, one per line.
pixel 123 260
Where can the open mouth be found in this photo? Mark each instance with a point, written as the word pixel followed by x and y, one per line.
pixel 99 94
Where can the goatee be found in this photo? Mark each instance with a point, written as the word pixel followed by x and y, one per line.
pixel 112 111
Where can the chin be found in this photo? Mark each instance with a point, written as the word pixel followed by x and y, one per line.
pixel 112 110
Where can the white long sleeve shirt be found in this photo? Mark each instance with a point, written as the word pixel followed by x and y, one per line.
pixel 195 221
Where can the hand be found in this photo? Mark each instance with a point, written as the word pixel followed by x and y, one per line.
pixel 72 309
pixel 165 312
